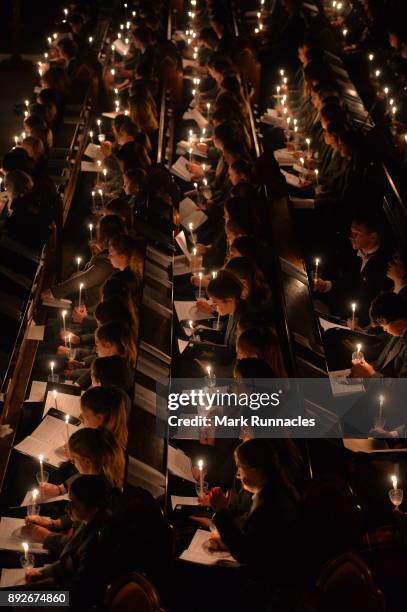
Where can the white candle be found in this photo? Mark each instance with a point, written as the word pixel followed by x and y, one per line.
pixel 191 231
pixel 91 135
pixel 52 368
pixel 100 192
pixel 316 268
pixel 26 548
pixel 308 141
pixel 99 123
pixel 191 325
pixel 91 231
pixel 316 175
pixel 394 481
pixel 353 306
pixel 35 494
pixel 64 313
pixel 41 458
pixel 381 402
pixel 201 487
pixel 78 263
pixel 67 427
pixel 27 103
pixel 208 109
pixel 344 33
pixel 200 286
pixel 93 199
pixel 16 140
pixel 80 293
pixel 214 274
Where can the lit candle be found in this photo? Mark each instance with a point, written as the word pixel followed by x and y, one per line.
pixel 91 135
pixel 99 123
pixel 201 487
pixel 316 175
pixel 52 364
pixel 104 172
pixel 67 428
pixel 41 458
pixel 26 548
pixel 200 285
pixel 93 199
pixel 27 103
pixel 16 140
pixel 394 481
pixel 381 402
pixel 208 109
pixel 90 39
pixel 370 57
pixel 191 231
pixel 353 306
pixel 191 325
pixel 64 313
pixel 344 33
pixel 101 196
pixel 316 269
pixel 78 263
pixel 80 293
pixel 54 393
pixel 214 274
pixel 377 73
pixel 91 231
pixel 308 141
pixel 358 356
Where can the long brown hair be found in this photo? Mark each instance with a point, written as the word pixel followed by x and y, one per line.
pixel 102 450
pixel 110 403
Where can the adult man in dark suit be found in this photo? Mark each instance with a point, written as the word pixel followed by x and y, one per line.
pixel 363 273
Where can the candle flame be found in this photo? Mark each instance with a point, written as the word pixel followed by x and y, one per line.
pixel 359 347
pixel 25 546
pixel 394 481
pixel 200 465
pixel 67 419
pixel 41 458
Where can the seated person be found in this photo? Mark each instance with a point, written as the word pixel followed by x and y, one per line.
pixel 363 274
pixel 389 311
pixel 397 272
pixel 113 371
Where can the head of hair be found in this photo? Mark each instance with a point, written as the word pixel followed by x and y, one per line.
pixel 372 220
pixel 232 85
pixel 118 334
pixel 144 35
pixel 252 279
pixel 244 167
pixel 37 147
pixel 110 371
pixel 100 448
pixel 137 176
pixel 135 157
pixel 263 342
pixel 121 208
pixel 225 286
pixel 57 79
pixel 18 183
pixel 90 490
pixel 246 246
pixel 68 47
pixel 333 112
pixel 112 310
pixel 143 114
pixel 17 159
pixel 253 367
pixel 386 308
pixel 133 248
pixel 108 227
pixel 209 36
pixel 110 403
pixel 259 453
pixel 239 208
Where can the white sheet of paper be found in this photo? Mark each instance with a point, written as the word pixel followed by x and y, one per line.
pixel 180 169
pixel 270 120
pixel 329 325
pixel 196 115
pixel 50 435
pixel 87 166
pixel 190 213
pixel 180 464
pixel 35 332
pixel 12 577
pixel 284 157
pixel 342 386
pixel 94 151
pixel 69 404
pixel 38 389
pixel 196 553
pixel 121 47
pixel 188 311
pixel 143 475
pixel 182 345
pixel 28 498
pixel 181 265
pixel 54 303
pixel 182 243
pixel 183 147
pixel 11 538
pixel 178 500
pixel 291 179
pixel 111 115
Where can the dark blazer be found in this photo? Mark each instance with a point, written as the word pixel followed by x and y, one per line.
pixel 263 541
pixel 392 361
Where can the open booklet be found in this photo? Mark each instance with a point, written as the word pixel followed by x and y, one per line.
pixel 139 474
pixel 190 213
pixel 121 47
pixel 55 303
pixel 180 169
pixel 291 179
pixel 13 534
pixel 188 311
pixel 180 464
pixel 342 385
pixel 48 439
pixel 199 552
pixel 94 151
pixel 12 577
pixel 66 403
pixel 196 115
pixel 87 166
pixel 183 147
